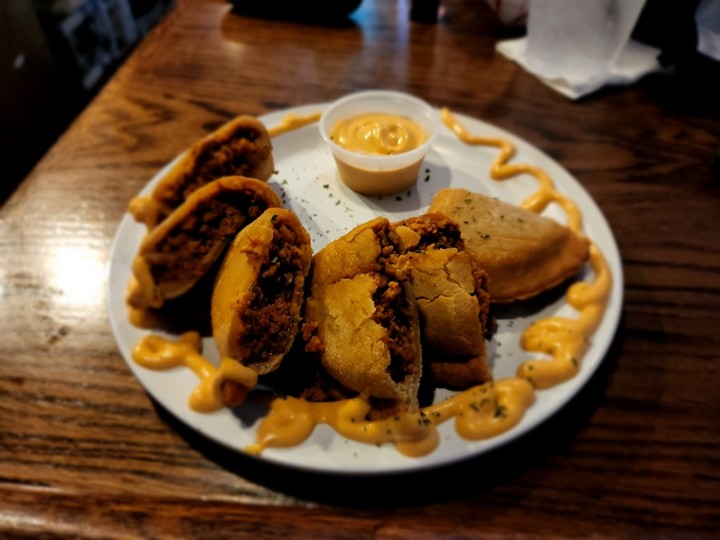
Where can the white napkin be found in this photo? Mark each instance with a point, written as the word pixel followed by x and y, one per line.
pixel 634 61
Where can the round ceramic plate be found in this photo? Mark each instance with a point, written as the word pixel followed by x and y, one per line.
pixel 308 182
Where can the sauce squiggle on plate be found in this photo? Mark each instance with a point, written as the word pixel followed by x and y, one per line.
pixel 480 412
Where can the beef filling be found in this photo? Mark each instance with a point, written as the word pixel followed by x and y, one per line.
pixel 436 231
pixel 271 320
pixel 235 157
pixel 487 320
pixel 393 312
pixel 389 249
pixel 182 253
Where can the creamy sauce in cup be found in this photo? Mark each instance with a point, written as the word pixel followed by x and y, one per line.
pixel 379 134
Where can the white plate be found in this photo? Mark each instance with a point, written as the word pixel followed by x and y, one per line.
pixel 308 182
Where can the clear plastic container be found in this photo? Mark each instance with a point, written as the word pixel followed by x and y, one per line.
pixel 578 40
pixel 373 174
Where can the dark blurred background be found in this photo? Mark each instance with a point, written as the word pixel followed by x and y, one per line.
pixel 55 55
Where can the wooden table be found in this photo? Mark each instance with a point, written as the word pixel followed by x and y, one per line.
pixel 84 451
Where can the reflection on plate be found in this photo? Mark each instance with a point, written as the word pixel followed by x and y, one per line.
pixel 307 180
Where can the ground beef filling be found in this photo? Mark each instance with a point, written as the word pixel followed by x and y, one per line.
pixel 436 232
pixel 183 252
pixel 393 310
pixel 313 343
pixel 394 313
pixel 389 248
pixel 481 285
pixel 272 319
pixel 237 155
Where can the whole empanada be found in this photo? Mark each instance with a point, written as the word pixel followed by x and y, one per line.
pixel 522 252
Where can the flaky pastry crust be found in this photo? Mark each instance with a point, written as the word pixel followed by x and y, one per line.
pixel 523 253
pixel 452 300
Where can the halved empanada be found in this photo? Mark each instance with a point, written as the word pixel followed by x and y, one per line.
pixel 451 297
pixel 241 147
pixel 183 248
pixel 258 295
pixel 361 319
pixel 365 331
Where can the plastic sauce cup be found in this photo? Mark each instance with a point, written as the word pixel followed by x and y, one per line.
pixel 373 174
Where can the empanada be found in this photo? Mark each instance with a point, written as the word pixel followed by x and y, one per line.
pixel 369 247
pixel 175 255
pixel 367 336
pixel 451 297
pixel 523 253
pixel 361 319
pixel 241 147
pixel 259 290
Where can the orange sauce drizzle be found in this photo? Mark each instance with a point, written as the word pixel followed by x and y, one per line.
pixel 565 340
pixel 480 412
pixel 157 353
pixel 292 122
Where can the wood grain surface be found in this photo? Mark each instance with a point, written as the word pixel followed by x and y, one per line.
pixel 86 452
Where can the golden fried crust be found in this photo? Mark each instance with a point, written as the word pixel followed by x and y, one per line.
pixel 355 347
pixel 461 373
pixel 273 252
pixel 356 252
pixel 523 253
pixel 175 255
pixel 241 147
pixel 452 300
pixel 453 319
